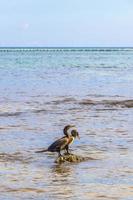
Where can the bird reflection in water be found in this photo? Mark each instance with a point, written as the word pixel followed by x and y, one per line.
pixel 62 180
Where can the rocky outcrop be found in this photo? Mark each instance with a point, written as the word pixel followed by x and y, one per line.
pixel 71 158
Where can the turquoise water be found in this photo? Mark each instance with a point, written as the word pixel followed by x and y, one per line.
pixel 42 90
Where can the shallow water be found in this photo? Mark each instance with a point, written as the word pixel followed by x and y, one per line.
pixel 42 90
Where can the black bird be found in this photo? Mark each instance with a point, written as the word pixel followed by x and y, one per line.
pixel 62 143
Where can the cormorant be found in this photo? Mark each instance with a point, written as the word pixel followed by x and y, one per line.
pixel 62 143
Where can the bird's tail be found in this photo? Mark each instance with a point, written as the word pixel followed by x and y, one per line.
pixel 41 151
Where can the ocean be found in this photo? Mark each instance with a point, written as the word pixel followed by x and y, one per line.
pixel 44 89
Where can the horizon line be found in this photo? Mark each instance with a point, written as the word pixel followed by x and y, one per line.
pixel 66 46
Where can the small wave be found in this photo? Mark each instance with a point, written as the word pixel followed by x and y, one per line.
pixel 10 114
pixel 122 103
pixel 65 100
pixel 6 157
pixel 40 111
pixel 15 114
pixel 108 103
pixel 23 190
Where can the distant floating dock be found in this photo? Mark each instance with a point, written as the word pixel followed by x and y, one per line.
pixel 63 49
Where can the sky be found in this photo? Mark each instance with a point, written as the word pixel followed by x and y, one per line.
pixel 66 23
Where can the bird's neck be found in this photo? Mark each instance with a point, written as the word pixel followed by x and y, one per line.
pixel 71 139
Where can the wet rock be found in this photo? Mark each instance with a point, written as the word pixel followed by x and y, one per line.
pixel 71 158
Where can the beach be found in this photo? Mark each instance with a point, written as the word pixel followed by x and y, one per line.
pixel 44 89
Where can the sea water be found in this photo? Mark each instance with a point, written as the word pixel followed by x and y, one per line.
pixel 44 89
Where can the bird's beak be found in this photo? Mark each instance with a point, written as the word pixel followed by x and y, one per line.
pixel 78 136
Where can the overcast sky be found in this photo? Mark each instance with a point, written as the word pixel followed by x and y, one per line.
pixel 66 22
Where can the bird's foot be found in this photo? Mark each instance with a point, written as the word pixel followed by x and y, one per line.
pixel 68 153
pixel 60 156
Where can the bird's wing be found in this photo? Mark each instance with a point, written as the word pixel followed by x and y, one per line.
pixel 58 144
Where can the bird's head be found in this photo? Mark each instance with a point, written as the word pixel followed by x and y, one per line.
pixel 70 130
pixel 75 133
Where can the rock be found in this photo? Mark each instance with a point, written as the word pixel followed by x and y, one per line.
pixel 71 158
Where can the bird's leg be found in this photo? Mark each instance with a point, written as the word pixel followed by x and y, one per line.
pixel 59 154
pixel 67 150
